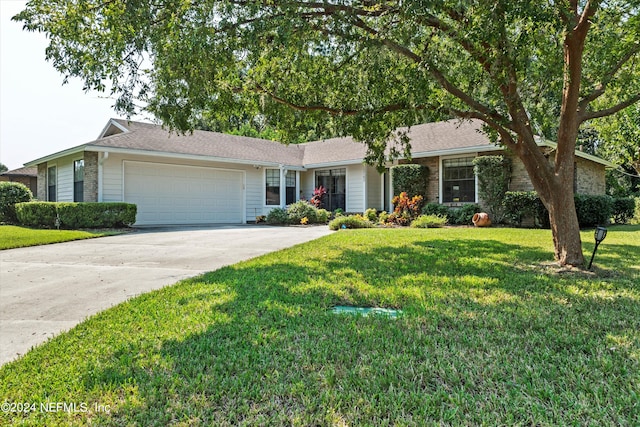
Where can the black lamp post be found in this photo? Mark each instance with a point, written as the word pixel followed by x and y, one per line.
pixel 599 235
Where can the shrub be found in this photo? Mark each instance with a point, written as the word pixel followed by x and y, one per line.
pixel 96 215
pixel 405 209
pixel 37 214
pixel 464 214
pixel 520 205
pixel 10 194
pixel 278 216
pixel 318 196
pixel 436 209
pixel 383 217
pixel 322 216
pixel 623 209
pixel 636 214
pixel 593 210
pixel 302 209
pixel 351 221
pixel 411 179
pixel 494 175
pixel 429 221
pixel 77 215
pixel 371 214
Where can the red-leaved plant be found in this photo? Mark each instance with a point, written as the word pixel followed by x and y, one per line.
pixel 405 209
pixel 318 194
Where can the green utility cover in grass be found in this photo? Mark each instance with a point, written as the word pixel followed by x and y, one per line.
pixel 366 311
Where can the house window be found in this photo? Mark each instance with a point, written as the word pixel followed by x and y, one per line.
pixel 273 187
pixel 458 181
pixel 78 181
pixel 335 182
pixel 291 187
pixel 52 179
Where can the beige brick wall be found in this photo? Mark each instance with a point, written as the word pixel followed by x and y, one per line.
pixel 590 177
pixel 42 182
pixel 90 176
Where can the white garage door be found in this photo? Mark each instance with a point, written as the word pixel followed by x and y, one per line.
pixel 171 194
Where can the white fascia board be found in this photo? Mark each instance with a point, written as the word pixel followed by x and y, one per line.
pixel 338 163
pixel 579 153
pixel 456 151
pixel 68 152
pixel 164 154
pixel 110 123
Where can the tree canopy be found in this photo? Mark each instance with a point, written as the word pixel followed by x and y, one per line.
pixel 366 68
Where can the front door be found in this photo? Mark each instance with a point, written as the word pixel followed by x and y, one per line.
pixel 335 182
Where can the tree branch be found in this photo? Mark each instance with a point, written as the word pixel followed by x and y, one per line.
pixel 601 88
pixel 612 110
pixel 338 111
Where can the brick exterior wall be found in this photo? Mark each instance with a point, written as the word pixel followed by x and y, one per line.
pixel 42 182
pixel 590 177
pixel 90 176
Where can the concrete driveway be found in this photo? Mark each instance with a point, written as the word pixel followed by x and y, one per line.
pixel 45 290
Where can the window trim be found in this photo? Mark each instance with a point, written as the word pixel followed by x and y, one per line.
pixel 55 185
pixel 346 181
pixel 282 179
pixel 75 181
pixel 264 193
pixel 441 179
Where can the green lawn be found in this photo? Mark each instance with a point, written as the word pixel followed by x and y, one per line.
pixel 19 237
pixel 491 334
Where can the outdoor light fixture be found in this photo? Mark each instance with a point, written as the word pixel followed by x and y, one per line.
pixel 599 235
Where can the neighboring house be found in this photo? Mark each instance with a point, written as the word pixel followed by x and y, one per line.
pixel 206 177
pixel 26 176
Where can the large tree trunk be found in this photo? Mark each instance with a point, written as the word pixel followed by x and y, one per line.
pixel 565 228
pixel 554 184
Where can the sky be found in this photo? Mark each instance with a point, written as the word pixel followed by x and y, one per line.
pixel 38 115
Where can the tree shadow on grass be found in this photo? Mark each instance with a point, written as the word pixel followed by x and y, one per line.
pixel 483 340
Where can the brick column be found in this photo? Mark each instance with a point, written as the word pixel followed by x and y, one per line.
pixel 42 182
pixel 90 176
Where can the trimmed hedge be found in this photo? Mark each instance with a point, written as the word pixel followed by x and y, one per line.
pixel 623 209
pixel 12 193
pixel 591 210
pixel 412 179
pixel 494 175
pixel 521 205
pixel 76 215
pixel 37 214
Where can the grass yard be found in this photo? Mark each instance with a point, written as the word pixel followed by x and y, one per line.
pixel 19 237
pixel 491 334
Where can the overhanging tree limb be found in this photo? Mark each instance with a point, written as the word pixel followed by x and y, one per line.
pixel 611 110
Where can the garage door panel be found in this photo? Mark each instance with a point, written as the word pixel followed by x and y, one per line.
pixel 172 194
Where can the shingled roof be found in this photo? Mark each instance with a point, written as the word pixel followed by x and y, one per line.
pixel 21 172
pixel 430 139
pixel 153 138
pixel 425 138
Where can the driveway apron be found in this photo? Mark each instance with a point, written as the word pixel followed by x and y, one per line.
pixel 45 290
